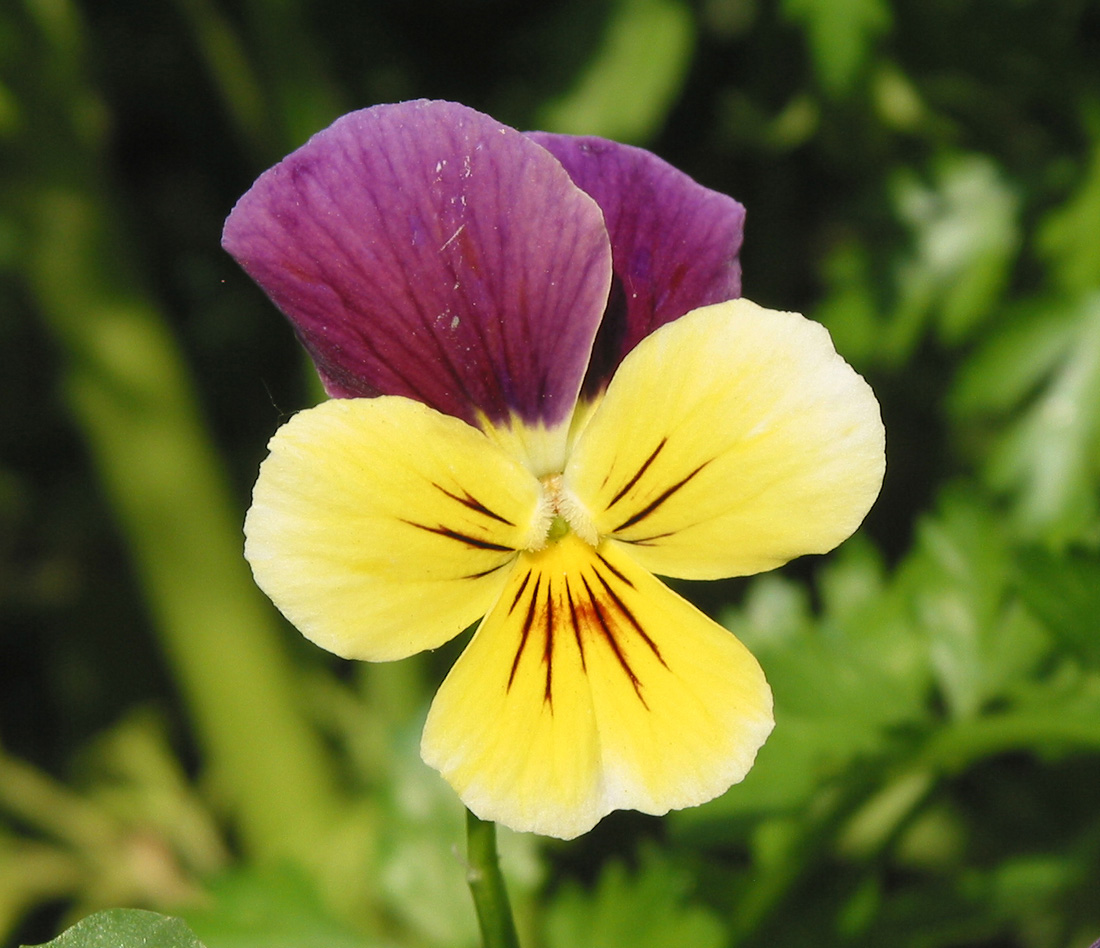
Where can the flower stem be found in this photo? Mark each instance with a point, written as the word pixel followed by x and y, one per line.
pixel 494 914
pixel 130 391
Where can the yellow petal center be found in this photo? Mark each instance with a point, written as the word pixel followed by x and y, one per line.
pixel 561 514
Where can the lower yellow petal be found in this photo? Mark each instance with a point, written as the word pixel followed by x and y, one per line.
pixel 381 527
pixel 728 442
pixel 592 687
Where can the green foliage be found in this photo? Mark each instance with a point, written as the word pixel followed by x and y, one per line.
pixel 840 36
pixel 1064 592
pixel 964 234
pixel 626 90
pixel 265 908
pixel 922 177
pixel 115 927
pixel 646 908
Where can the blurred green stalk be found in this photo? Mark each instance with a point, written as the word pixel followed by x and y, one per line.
pixel 130 393
pixel 494 913
pixel 271 76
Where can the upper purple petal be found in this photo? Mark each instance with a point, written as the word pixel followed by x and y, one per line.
pixel 674 243
pixel 424 249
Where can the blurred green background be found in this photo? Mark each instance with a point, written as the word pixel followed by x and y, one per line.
pixel 923 176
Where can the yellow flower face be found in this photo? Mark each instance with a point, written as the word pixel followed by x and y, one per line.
pixel 718 441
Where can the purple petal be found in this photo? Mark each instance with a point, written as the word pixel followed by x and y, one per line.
pixel 674 242
pixel 425 250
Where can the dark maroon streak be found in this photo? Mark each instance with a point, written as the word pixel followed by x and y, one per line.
pixel 548 648
pixel 576 625
pixel 655 504
pixel 609 637
pixel 473 504
pixel 527 622
pixel 485 572
pixel 634 480
pixel 630 617
pixel 622 577
pixel 519 593
pixel 472 542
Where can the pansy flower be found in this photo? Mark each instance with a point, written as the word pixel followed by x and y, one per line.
pixel 545 391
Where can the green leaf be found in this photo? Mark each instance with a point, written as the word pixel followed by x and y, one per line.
pixel 850 685
pixel 980 643
pixel 966 236
pixel 1064 592
pixel 1067 238
pixel 127 928
pixel 841 34
pixel 646 909
pixel 272 908
pixel 1010 365
pixel 1049 718
pixel 628 88
pixel 1049 458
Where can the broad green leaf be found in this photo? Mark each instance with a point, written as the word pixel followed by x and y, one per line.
pixel 1024 346
pixel 965 235
pixel 980 643
pixel 648 908
pixel 1064 592
pixel 271 908
pixel 841 34
pixel 1067 238
pixel 1049 459
pixel 628 88
pixel 1049 718
pixel 127 928
pixel 1030 398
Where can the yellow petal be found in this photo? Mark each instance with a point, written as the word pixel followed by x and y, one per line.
pixel 592 687
pixel 381 527
pixel 728 442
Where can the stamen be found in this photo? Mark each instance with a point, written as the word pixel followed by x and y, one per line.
pixel 561 513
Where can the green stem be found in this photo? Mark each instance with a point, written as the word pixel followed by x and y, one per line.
pixel 131 394
pixel 494 914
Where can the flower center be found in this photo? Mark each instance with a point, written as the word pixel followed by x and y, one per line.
pixel 562 513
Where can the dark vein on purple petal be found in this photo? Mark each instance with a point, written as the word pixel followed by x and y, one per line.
pixel 355 264
pixel 653 505
pixel 638 475
pixel 428 323
pixel 473 504
pixel 471 324
pixel 470 541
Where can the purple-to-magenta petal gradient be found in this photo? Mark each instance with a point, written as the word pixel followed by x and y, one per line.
pixel 424 249
pixel 675 244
